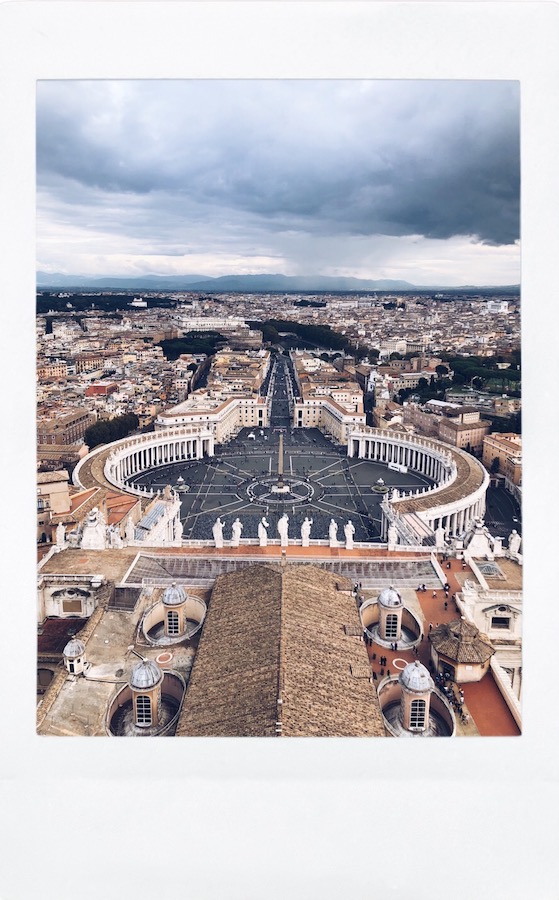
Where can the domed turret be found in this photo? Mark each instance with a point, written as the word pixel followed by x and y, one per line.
pixel 74 648
pixel 145 675
pixel 145 682
pixel 391 606
pixel 74 656
pixel 174 595
pixel 390 598
pixel 415 677
pixel 416 685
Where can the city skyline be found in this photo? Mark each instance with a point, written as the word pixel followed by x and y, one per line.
pixel 414 180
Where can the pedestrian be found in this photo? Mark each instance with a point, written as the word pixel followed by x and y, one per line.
pixel 434 594
pixel 430 626
pixel 395 646
pixel 423 588
pixel 388 673
pixel 445 605
pixel 382 673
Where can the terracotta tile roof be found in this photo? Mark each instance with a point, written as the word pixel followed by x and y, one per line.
pixel 279 633
pixel 461 641
pixel 55 633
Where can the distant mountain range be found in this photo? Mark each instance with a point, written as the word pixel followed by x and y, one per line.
pixel 246 283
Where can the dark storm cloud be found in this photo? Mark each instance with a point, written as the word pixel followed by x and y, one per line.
pixel 436 159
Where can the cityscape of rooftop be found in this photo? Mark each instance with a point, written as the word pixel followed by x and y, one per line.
pixel 278 328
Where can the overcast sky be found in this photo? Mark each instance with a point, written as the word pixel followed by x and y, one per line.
pixel 417 180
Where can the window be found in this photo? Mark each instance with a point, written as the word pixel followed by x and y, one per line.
pixel 172 622
pixel 500 622
pixel 143 710
pixel 417 714
pixel 391 629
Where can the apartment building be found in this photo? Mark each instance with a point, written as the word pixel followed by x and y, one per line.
pixel 507 449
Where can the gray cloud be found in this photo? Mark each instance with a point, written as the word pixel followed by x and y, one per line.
pixel 240 162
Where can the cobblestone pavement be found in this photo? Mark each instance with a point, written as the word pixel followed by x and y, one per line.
pixel 333 486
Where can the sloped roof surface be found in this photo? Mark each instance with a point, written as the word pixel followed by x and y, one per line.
pixel 278 633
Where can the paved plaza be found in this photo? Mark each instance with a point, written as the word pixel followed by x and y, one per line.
pixel 240 479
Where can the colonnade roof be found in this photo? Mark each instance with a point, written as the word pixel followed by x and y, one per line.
pixel 469 474
pixel 469 478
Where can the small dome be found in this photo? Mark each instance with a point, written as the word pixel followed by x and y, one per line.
pixel 145 675
pixel 174 595
pixel 389 597
pixel 416 678
pixel 74 649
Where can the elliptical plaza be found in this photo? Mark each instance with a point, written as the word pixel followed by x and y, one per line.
pixel 377 537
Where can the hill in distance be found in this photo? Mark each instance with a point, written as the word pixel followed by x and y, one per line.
pixel 242 283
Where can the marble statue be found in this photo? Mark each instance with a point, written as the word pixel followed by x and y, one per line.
pixel 94 532
pixel 178 527
pixel 129 529
pixel 262 532
pixel 333 533
pixel 392 536
pixel 306 531
pixel 283 527
pixel 349 531
pixel 236 529
pixel 60 535
pixel 114 538
pixel 514 541
pixel 217 532
pixel 73 539
pixel 440 538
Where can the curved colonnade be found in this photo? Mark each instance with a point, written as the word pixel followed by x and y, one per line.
pixel 452 504
pixel 455 500
pixel 128 457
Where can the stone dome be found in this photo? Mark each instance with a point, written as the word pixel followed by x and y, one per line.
pixel 74 649
pixel 415 677
pixel 390 598
pixel 174 595
pixel 145 675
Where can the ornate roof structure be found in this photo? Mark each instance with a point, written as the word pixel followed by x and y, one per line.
pixel 462 642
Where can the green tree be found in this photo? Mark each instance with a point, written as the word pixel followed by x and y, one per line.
pixel 107 430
